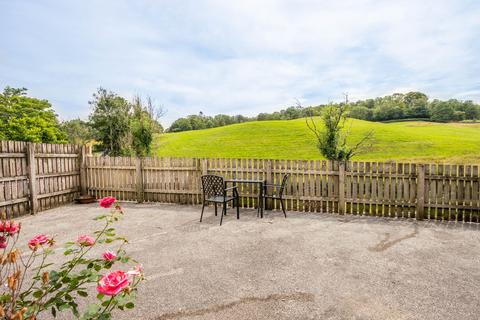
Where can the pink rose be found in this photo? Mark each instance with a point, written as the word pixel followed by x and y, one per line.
pixel 137 271
pixel 107 202
pixel 113 283
pixel 3 242
pixel 10 227
pixel 85 240
pixel 38 240
pixel 109 255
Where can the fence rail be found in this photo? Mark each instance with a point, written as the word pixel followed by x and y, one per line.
pixel 406 190
pixel 35 177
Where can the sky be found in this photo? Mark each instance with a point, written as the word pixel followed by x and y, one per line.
pixel 238 57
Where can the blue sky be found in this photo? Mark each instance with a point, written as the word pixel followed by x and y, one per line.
pixel 238 57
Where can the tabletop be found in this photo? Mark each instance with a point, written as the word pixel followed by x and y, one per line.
pixel 245 180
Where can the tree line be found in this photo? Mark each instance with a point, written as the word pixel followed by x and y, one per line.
pixel 398 106
pixel 116 126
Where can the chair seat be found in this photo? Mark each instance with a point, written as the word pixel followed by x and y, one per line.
pixel 220 199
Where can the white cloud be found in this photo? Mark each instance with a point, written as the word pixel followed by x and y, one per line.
pixel 239 56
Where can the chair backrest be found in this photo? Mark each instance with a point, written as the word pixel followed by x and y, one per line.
pixel 284 183
pixel 212 185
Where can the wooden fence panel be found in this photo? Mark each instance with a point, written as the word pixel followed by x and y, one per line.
pixel 36 177
pixel 14 192
pixel 448 192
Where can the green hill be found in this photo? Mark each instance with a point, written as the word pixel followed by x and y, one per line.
pixel 400 141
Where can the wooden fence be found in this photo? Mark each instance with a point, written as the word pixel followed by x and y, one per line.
pixel 406 190
pixel 36 177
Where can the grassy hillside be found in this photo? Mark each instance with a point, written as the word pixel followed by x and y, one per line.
pixel 412 141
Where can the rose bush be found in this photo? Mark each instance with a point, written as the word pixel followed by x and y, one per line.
pixel 32 286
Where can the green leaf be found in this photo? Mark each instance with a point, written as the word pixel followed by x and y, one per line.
pixel 64 306
pixel 82 293
pixel 100 296
pixel 54 312
pixel 93 308
pixel 130 305
pixel 37 294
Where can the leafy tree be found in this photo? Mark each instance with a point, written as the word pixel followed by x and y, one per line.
pixel 361 112
pixel 332 140
pixel 441 111
pixel 388 110
pixel 24 118
pixel 144 125
pixel 110 120
pixel 470 109
pixel 77 131
pixel 182 124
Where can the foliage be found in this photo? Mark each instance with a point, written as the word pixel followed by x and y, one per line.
pixel 397 141
pixel 144 125
pixel 415 105
pixel 121 127
pixel 200 121
pixel 24 118
pixel 77 131
pixel 110 121
pixel 56 288
pixel 332 139
pixel 411 105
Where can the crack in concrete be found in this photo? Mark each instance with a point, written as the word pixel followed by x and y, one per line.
pixel 386 244
pixel 297 296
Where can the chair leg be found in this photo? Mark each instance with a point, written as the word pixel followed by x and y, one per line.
pixel 215 209
pixel 283 208
pixel 223 210
pixel 203 208
pixel 238 208
pixel 258 207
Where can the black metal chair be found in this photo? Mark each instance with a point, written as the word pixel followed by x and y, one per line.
pixel 278 191
pixel 215 191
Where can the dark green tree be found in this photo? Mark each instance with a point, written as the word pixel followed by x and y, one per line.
pixel 25 118
pixel 110 120
pixel 441 111
pixel 144 125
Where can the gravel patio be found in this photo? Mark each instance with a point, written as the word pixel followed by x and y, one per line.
pixel 308 266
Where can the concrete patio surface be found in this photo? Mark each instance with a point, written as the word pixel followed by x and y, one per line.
pixel 308 266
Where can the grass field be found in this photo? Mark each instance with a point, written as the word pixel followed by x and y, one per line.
pixel 401 141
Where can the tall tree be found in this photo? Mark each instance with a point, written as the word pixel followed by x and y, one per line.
pixel 110 120
pixel 25 118
pixel 144 124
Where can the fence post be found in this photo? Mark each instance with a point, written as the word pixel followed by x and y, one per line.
pixel 83 170
pixel 420 192
pixel 269 179
pixel 32 177
pixel 204 167
pixel 341 187
pixel 139 178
